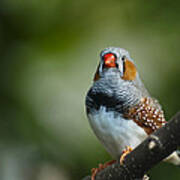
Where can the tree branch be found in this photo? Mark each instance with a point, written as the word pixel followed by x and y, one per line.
pixel 150 152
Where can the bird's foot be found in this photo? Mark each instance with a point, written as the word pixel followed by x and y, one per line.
pixel 94 171
pixel 125 153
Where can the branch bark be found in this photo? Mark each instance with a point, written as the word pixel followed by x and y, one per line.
pixel 150 152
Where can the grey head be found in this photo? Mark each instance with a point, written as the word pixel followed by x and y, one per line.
pixel 116 57
pixel 115 60
pixel 116 83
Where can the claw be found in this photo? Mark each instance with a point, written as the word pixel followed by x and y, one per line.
pixel 125 153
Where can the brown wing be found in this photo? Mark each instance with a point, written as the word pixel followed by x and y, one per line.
pixel 148 114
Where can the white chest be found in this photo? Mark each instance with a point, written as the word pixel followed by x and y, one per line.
pixel 115 132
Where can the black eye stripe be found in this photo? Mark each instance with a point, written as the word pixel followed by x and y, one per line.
pixel 124 68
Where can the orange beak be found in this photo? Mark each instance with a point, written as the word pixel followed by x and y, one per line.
pixel 109 60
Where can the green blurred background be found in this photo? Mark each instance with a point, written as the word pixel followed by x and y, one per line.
pixel 49 51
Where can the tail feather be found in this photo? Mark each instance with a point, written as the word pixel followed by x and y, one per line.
pixel 174 158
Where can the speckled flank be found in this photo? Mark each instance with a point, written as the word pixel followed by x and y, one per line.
pixel 147 114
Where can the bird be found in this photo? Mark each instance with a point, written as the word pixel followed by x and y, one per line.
pixel 120 109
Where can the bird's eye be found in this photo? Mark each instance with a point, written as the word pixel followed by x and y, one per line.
pixel 123 58
pixel 109 60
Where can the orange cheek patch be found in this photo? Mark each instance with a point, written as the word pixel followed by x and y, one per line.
pixel 130 71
